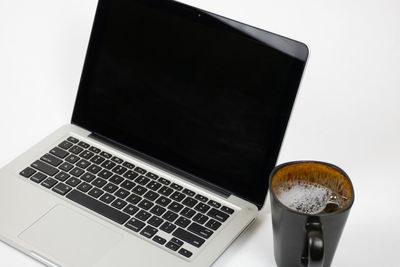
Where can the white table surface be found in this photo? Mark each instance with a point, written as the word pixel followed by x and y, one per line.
pixel 347 111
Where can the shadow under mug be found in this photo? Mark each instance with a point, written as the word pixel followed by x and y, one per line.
pixel 302 239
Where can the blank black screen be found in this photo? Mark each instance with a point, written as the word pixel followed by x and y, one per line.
pixel 184 87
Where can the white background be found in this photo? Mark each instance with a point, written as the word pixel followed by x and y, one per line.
pixel 347 111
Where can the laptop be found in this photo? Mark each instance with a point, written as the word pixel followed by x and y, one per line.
pixel 178 121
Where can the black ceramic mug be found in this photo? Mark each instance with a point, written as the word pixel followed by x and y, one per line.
pixel 308 235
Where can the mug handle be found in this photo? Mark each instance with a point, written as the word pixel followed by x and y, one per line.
pixel 315 241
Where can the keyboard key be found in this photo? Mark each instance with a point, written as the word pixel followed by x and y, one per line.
pixel 145 204
pixel 159 240
pixel 66 166
pixel 200 230
pixel 83 164
pixel 140 170
pixel 175 206
pixel 94 149
pixel 110 188
pixel 188 213
pixel 105 174
pixel 155 221
pixel 44 167
pixel 190 202
pixel 119 204
pixel 52 160
pixel 107 198
pixel 49 182
pixel 149 231
pixel 128 184
pixel 135 225
pixel 72 158
pixel 213 224
pixel 185 253
pixel 188 237
pixel 176 187
pixel 61 153
pixel 142 180
pixel 176 241
pixel 170 216
pixel 165 191
pixel 201 198
pixel 73 140
pixel 77 172
pixel 105 154
pixel 65 145
pixel 108 165
pixel 73 181
pixel 163 201
pixel 153 185
pixel 116 179
pixel 95 192
pixel 202 207
pixel 157 210
pixel 99 182
pixel 151 195
pixel 219 215
pixel 140 190
pixel 117 160
pixel 200 218
pixel 62 176
pixel 93 169
pixel 128 165
pixel 152 175
pixel 97 160
pixel 88 177
pixel 227 210
pixel 122 193
pixel 130 209
pixel 83 144
pixel 119 170
pixel 177 196
pixel 172 246
pixel 61 189
pixel 38 177
pixel 143 215
pixel 188 192
pixel 27 172
pixel 75 150
pixel 214 204
pixel 164 181
pixel 182 222
pixel 130 175
pixel 134 199
pixel 167 227
pixel 84 187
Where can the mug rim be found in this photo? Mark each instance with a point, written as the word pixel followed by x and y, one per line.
pixel 280 166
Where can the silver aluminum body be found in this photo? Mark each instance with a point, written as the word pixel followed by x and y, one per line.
pixel 22 203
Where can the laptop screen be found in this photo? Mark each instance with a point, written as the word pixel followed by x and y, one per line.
pixel 202 93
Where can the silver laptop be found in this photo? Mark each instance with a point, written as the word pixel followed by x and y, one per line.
pixel 178 121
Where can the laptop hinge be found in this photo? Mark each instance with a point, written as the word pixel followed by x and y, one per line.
pixel 163 166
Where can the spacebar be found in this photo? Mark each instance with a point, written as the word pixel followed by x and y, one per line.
pixel 98 207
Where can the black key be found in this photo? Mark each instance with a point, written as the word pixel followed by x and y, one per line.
pixel 182 222
pixel 117 160
pixel 201 198
pixel 93 169
pixel 88 177
pixel 151 195
pixel 213 224
pixel 83 144
pixel 116 179
pixel 159 240
pixel 61 153
pixel 44 167
pixel 130 209
pixel 140 170
pixel 227 210
pixel 61 189
pixel 149 231
pixel 134 199
pixel 73 139
pixel 105 174
pixel 152 175
pixel 86 154
pixel 52 160
pixel 188 192
pixel 128 165
pixel 190 202
pixel 110 188
pixel 119 204
pixel 84 187
pixel 200 218
pixel 142 180
pixel 200 230
pixel 66 166
pixel 76 171
pixel 128 185
pixel 188 237
pixel 219 215
pixel 95 192
pixel 119 170
pixel 177 196
pixel 157 210
pixel 105 154
pixel 145 204
pixel 107 198
pixel 72 158
pixel 122 193
pixel 108 164
pixel 202 207
pixel 73 181
pixel 176 241
pixel 165 191
pixel 167 227
pixel 28 172
pixel 62 176
pixel 175 206
pixel 185 253
pixel 135 225
pixel 188 213
pixel 172 246
pixel 163 201
pixel 94 149
pixel 97 160
pixel 140 190
pixel 65 145
pixel 153 185
pixel 75 150
pixel 49 182
pixel 170 216
pixel 214 204
pixel 164 181
pixel 143 215
pixel 97 206
pixel 99 182
pixel 155 221
pixel 176 187
pixel 130 175
pixel 38 177
pixel 83 164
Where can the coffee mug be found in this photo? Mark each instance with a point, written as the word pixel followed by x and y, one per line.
pixel 310 203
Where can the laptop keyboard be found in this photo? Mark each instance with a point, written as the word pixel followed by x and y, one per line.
pixel 143 202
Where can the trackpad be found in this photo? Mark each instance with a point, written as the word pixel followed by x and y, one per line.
pixel 70 237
